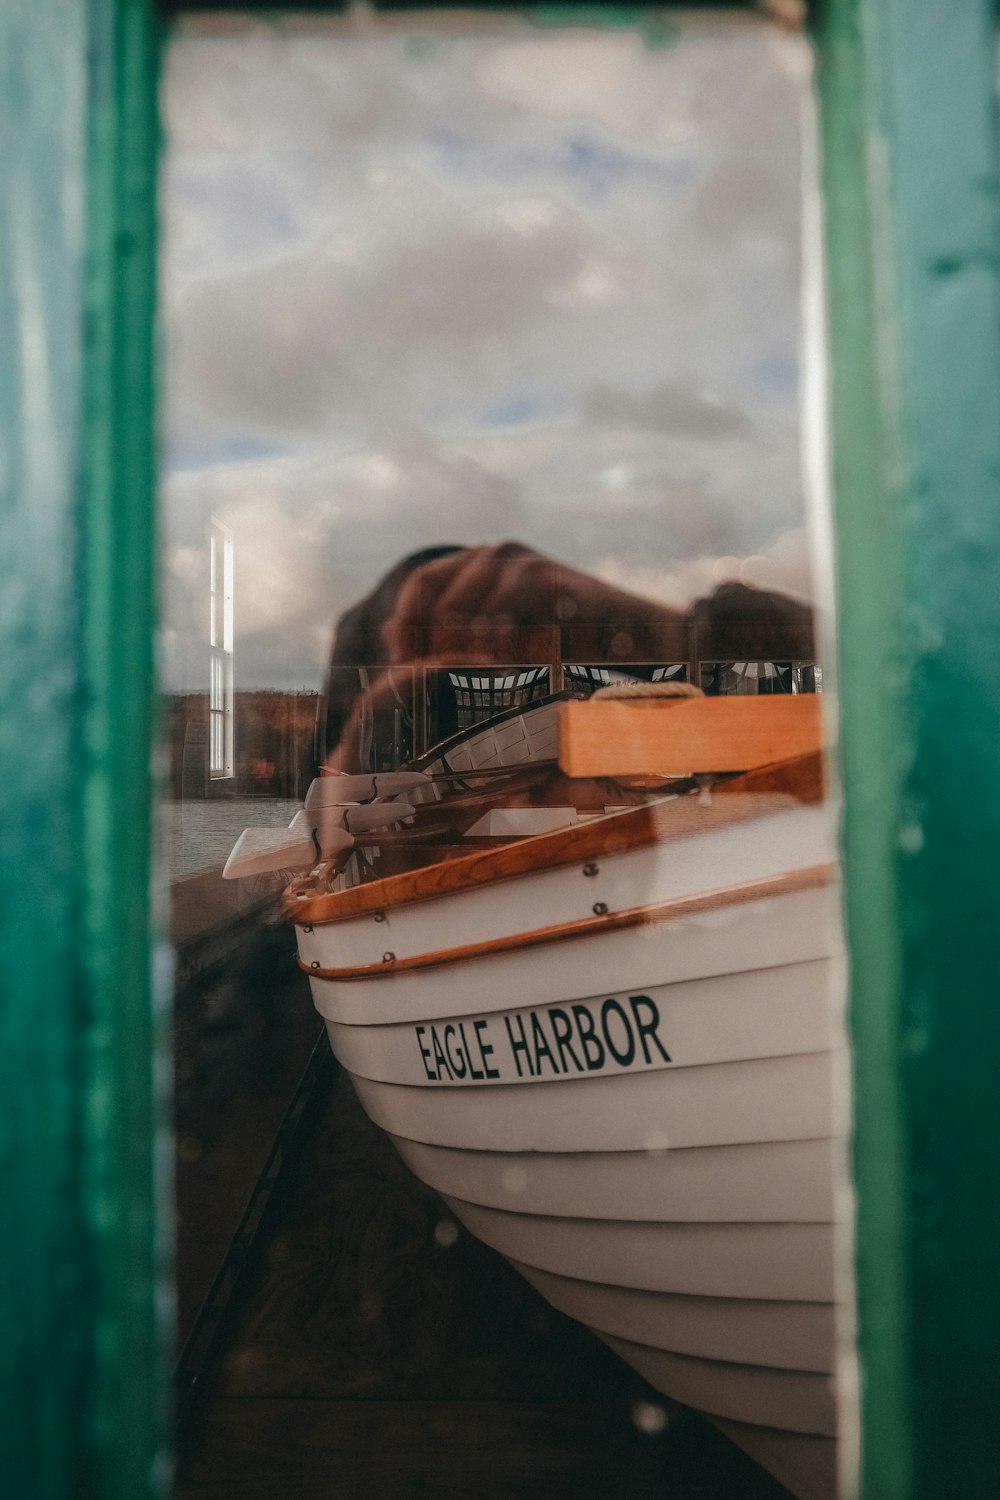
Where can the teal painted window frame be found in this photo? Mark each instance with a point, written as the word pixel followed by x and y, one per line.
pixel 907 94
pixel 84 1320
pixel 908 107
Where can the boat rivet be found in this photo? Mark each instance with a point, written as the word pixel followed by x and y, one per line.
pixel 380 916
pixel 600 908
pixel 314 964
pixel 307 927
pixel 388 958
pixel 590 869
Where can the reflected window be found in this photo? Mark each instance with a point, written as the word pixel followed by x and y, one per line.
pixel 481 693
pixel 221 729
pixel 730 679
pixel 588 679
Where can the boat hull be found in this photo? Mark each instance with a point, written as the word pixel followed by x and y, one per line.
pixel 641 1121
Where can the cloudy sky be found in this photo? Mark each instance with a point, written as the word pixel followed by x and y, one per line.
pixel 471 281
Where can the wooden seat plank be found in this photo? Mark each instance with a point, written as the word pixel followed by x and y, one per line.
pixel 681 736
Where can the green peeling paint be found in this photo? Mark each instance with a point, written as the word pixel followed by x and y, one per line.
pixel 910 177
pixel 874 732
pixel 46 1259
pixel 83 1389
pixel 118 564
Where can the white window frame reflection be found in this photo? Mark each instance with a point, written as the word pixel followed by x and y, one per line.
pixel 221 705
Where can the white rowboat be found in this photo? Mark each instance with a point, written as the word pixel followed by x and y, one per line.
pixel 610 1047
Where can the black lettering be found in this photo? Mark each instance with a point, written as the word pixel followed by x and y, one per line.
pixel 473 1070
pixel 521 1046
pixel 485 1050
pixel 451 1059
pixel 648 1028
pixel 425 1054
pixel 562 1030
pixel 588 1038
pixel 541 1042
pixel 607 1008
pixel 439 1058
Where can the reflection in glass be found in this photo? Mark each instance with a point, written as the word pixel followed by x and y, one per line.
pixel 483 429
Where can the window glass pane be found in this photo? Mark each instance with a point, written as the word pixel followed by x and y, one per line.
pixel 485 463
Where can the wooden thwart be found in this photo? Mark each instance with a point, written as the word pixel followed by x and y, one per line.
pixel 680 736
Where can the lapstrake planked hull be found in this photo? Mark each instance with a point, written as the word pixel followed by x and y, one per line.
pixel 611 1049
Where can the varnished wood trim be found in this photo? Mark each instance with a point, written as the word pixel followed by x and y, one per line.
pixel 637 916
pixel 671 736
pixel 771 789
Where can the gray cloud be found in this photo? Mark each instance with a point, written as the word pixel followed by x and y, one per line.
pixel 297 345
pixel 578 328
pixel 674 406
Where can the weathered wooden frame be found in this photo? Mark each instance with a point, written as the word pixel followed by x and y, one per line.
pixel 907 93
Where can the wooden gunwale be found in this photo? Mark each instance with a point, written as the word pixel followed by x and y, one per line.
pixel 637 916
pixel 771 789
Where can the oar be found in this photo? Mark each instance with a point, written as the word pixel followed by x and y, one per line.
pixel 260 850
pixel 476 772
pixel 355 818
pixel 340 789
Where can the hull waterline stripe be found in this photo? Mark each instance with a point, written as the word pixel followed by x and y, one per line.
pixel 637 916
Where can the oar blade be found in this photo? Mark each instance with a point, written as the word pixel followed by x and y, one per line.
pixel 330 832
pixel 375 815
pixel 259 851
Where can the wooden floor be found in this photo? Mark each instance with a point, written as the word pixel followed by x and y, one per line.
pixel 377 1350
